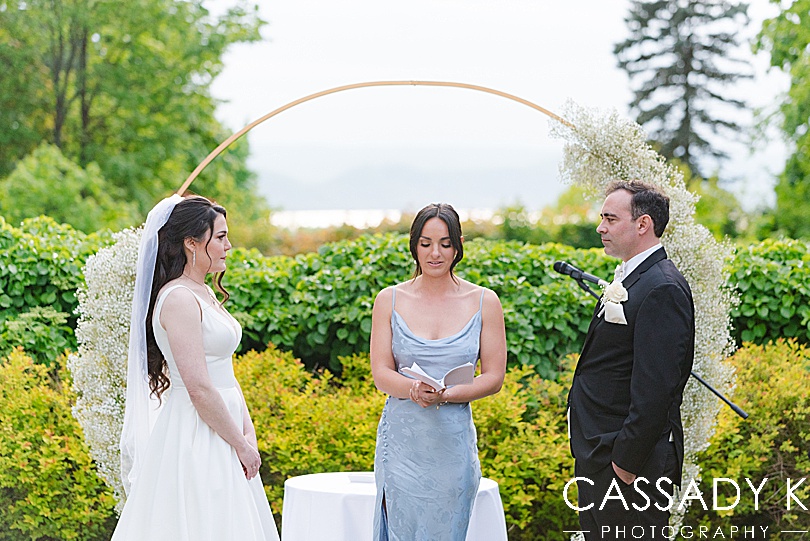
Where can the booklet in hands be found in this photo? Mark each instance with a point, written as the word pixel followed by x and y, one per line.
pixel 463 374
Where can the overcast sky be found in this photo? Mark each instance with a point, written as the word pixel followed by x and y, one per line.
pixel 543 51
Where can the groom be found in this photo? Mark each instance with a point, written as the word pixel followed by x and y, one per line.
pixel 624 403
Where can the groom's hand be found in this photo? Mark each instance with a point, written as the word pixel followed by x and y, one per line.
pixel 624 475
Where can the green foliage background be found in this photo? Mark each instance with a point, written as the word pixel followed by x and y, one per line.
pixel 123 99
pixel 40 269
pixel 318 305
pixel 47 182
pixel 678 100
pixel 122 85
pixel 49 490
pixel 786 37
pixel 773 278
pixel 106 107
pixel 314 422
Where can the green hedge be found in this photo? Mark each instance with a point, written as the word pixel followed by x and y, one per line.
pixel 318 305
pixel 773 279
pixel 40 270
pixel 49 489
pixel 311 423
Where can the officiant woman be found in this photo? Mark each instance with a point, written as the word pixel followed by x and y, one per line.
pixel 426 463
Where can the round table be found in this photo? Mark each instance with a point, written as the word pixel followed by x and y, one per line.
pixel 339 506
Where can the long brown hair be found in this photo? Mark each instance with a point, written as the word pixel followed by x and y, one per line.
pixel 193 217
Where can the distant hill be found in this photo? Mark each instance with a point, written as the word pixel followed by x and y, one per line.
pixel 412 187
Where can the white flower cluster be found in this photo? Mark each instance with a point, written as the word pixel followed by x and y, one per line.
pixel 603 146
pixel 99 368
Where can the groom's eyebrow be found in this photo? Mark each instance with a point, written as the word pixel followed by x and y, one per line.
pixel 608 215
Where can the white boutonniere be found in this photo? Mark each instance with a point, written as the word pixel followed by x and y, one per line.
pixel 613 296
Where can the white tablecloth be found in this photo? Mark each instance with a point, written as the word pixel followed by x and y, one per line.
pixel 340 507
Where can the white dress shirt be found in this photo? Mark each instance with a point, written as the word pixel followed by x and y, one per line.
pixel 631 264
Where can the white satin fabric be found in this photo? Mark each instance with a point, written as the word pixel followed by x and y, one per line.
pixel 191 486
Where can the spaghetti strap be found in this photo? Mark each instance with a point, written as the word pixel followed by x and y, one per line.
pixel 481 303
pixel 393 297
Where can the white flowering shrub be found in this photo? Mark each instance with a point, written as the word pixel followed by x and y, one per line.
pixel 99 368
pixel 601 147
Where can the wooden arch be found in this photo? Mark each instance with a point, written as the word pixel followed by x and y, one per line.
pixel 292 104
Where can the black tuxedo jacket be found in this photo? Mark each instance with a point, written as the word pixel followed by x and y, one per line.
pixel 628 385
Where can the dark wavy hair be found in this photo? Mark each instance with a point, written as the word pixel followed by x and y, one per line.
pixel 449 216
pixel 193 217
pixel 646 199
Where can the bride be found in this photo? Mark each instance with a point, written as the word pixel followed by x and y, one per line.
pixel 189 452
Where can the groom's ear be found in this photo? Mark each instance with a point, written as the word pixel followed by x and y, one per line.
pixel 644 224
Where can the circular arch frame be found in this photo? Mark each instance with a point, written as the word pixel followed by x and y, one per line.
pixel 208 159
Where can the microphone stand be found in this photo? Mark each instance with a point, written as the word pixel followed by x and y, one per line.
pixel 737 409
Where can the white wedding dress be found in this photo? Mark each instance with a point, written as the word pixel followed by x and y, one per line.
pixel 191 486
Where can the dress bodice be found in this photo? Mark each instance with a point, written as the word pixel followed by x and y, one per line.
pixel 435 357
pixel 221 335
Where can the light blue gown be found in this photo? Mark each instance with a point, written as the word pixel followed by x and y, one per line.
pixel 426 461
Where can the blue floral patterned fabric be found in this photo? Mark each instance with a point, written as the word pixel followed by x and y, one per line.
pixel 426 463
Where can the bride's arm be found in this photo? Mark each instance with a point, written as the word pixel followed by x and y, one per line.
pixel 181 317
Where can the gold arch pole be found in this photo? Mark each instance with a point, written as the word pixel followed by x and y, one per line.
pixel 311 97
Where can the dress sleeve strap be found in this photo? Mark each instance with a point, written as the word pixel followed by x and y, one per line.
pixel 165 293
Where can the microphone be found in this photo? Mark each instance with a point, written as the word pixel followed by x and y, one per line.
pixel 564 268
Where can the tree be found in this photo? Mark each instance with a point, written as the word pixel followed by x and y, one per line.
pixel 719 210
pixel 571 220
pixel 678 52
pixel 124 85
pixel 787 38
pixel 22 115
pixel 48 183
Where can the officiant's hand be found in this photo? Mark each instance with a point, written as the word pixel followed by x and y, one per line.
pixel 425 395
